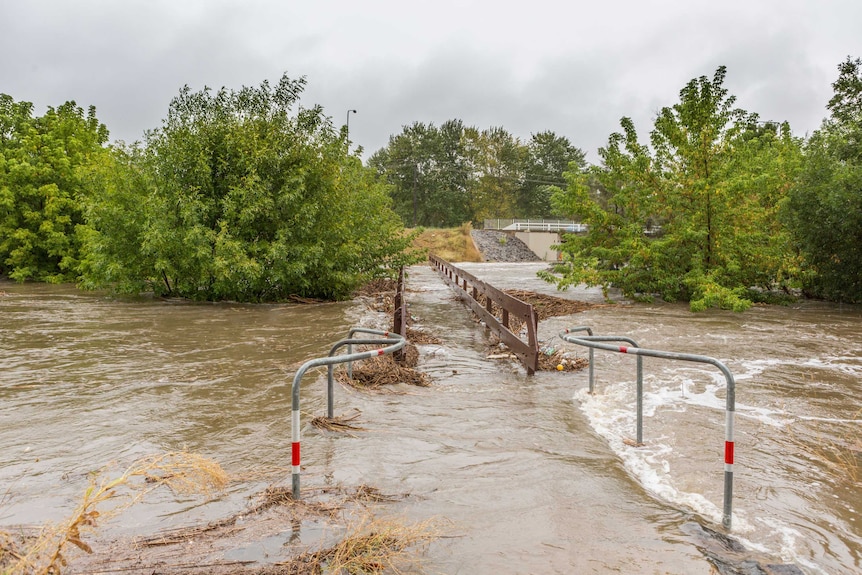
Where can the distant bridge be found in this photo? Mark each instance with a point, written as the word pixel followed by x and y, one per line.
pixel 542 235
pixel 557 226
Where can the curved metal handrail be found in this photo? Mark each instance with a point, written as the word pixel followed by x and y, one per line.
pixel 393 342
pixel 640 388
pixel 596 342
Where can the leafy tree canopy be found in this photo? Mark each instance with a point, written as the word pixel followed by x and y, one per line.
pixel 429 174
pixel 444 176
pixel 240 195
pixel 824 210
pixel 547 157
pixel 43 166
pixel 693 216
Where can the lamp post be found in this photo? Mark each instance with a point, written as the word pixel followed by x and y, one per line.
pixel 348 123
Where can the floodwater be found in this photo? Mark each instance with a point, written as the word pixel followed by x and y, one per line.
pixel 526 474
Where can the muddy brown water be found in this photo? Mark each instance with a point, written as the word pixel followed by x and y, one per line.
pixel 526 474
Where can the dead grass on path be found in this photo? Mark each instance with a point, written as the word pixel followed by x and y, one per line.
pixel 555 360
pixel 547 306
pixel 379 373
pixel 273 496
pixel 377 546
pixel 372 546
pixel 367 545
pixel 340 424
pixel 421 337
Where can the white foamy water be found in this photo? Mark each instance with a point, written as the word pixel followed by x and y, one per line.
pixel 677 396
pixel 612 414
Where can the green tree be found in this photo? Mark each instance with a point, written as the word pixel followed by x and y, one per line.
pixel 496 159
pixel 547 156
pixel 614 250
pixel 427 169
pixel 824 211
pixel 117 212
pixel 43 162
pixel 758 176
pixel 452 174
pixel 246 196
pixel 693 218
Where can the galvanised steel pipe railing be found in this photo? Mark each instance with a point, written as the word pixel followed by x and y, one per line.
pixel 349 342
pixel 596 342
pixel 640 371
pixel 393 342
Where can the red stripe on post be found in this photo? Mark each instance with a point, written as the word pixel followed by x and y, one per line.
pixel 728 452
pixel 624 349
pixel 295 453
pixel 380 352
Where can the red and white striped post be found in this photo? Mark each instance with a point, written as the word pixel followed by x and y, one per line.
pixel 393 342
pixel 593 342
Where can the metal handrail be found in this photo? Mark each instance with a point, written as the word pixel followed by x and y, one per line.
pixel 546 227
pixel 595 342
pixel 640 387
pixel 510 223
pixel 394 341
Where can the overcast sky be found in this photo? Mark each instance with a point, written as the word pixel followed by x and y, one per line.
pixel 568 66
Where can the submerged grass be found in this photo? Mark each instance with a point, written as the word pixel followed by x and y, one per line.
pixel 841 459
pixel 378 545
pixel 45 553
pixel 839 456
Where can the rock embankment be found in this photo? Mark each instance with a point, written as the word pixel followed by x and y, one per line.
pixel 497 246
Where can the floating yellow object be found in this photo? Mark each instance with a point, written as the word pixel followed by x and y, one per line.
pixel 559 367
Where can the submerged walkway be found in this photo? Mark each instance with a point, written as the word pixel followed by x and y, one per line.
pixel 511 462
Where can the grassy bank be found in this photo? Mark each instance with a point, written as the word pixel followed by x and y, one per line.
pixel 451 244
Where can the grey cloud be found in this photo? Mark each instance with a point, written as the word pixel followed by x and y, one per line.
pixel 130 58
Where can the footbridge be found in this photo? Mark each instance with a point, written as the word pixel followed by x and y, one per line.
pixel 539 235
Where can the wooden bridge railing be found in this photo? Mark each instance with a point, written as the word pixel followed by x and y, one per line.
pixel 473 291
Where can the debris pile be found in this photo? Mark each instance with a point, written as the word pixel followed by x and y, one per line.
pixel 547 306
pixel 558 361
pixel 378 373
pixel 379 294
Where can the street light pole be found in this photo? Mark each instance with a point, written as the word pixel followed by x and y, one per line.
pixel 348 123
